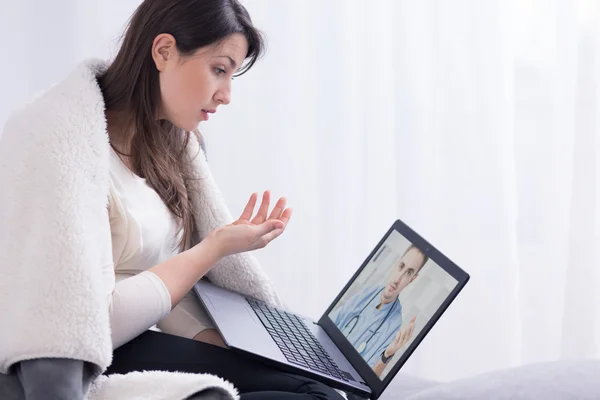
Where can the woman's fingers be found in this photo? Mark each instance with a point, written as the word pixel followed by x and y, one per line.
pixel 278 209
pixel 286 215
pixel 267 227
pixel 249 209
pixel 266 232
pixel 279 212
pixel 261 215
pixel 266 239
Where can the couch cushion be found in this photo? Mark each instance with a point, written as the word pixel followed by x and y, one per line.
pixel 403 386
pixel 560 380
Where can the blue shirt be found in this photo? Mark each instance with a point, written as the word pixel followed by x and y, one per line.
pixel 378 327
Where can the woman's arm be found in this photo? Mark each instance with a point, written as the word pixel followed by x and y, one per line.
pixel 141 301
pixel 180 273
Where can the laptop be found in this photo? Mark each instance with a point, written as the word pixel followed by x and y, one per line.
pixel 369 330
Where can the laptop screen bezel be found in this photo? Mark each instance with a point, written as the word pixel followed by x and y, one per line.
pixel 366 372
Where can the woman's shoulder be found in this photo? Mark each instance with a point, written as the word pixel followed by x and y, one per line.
pixel 62 127
pixel 75 100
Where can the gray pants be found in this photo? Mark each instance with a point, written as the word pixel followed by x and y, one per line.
pixel 59 379
pixel 47 378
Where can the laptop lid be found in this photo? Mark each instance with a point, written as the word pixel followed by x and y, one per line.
pixel 390 304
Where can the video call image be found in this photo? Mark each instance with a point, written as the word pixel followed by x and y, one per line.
pixel 390 302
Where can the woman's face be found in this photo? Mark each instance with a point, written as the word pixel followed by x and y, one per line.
pixel 192 87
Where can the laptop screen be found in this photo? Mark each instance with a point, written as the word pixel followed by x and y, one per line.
pixel 390 301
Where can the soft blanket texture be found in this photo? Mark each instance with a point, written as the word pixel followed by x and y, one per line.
pixel 54 164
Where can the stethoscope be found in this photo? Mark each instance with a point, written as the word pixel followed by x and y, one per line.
pixel 364 344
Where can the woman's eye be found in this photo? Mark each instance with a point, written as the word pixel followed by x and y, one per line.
pixel 219 71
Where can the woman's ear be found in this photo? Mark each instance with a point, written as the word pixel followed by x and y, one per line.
pixel 164 48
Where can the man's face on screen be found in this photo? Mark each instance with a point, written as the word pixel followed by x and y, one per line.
pixel 403 273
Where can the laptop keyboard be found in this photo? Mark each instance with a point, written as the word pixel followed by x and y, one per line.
pixel 295 340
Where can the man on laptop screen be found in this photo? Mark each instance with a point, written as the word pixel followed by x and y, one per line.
pixel 383 308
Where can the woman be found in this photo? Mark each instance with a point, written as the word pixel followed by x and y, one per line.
pixel 122 220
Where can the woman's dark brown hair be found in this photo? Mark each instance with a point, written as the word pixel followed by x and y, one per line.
pixel 130 87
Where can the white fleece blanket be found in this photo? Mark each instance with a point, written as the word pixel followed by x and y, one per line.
pixel 54 164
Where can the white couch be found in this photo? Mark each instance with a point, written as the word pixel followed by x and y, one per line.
pixel 560 380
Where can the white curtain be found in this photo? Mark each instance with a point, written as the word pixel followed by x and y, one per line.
pixel 474 121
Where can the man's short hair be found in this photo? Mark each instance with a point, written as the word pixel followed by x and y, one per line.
pixel 425 258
